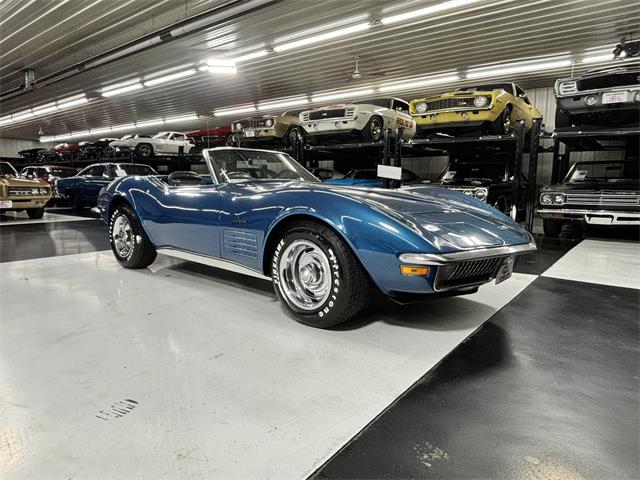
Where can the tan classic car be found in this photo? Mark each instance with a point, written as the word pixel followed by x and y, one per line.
pixel 21 194
pixel 269 128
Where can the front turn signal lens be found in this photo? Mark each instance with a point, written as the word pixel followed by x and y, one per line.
pixel 414 270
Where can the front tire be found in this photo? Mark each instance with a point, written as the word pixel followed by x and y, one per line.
pixel 316 277
pixel 35 213
pixel 294 131
pixel 233 140
pixel 503 124
pixel 129 242
pixel 373 130
pixel 552 228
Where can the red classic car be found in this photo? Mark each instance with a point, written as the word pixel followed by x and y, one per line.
pixel 208 138
pixel 67 151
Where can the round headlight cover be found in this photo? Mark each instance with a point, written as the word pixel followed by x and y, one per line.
pixel 35 191
pixel 481 193
pixel 44 191
pixel 421 107
pixel 269 123
pixel 636 96
pixel 545 198
pixel 590 100
pixel 558 198
pixel 481 101
pixel 238 126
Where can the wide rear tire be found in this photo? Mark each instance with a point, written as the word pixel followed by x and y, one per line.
pixel 316 277
pixel 129 242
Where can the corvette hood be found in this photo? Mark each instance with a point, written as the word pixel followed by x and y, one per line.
pixel 447 219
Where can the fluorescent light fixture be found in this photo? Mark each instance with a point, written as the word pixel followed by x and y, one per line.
pixel 439 7
pixel 598 58
pixel 16 117
pixel 343 94
pixel 118 91
pixel 418 83
pixel 508 69
pixel 276 104
pixel 46 108
pixel 119 85
pixel 181 118
pixel 100 131
pixel 47 139
pixel 225 70
pixel 169 78
pixel 73 101
pixel 150 123
pixel 167 71
pixel 129 126
pixel 203 68
pixel 251 56
pixel 221 62
pixel 6 120
pixel 233 111
pixel 322 37
pixel 79 134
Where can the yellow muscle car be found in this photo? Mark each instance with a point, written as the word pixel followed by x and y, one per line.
pixel 497 106
pixel 21 194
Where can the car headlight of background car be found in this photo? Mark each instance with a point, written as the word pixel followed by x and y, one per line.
pixel 552 198
pixel 268 123
pixel 481 193
pixel 237 126
pixel 481 101
pixel 421 107
pixel 636 96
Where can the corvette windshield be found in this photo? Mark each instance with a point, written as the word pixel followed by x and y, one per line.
pixel 237 165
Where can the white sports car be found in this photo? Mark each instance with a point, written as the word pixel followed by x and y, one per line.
pixel 365 119
pixel 163 143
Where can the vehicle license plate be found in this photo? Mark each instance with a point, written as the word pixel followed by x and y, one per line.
pixel 6 204
pixel 600 220
pixel 618 97
pixel 506 269
pixel 249 132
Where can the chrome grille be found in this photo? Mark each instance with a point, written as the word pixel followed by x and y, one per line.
pixel 473 272
pixel 454 102
pixel 603 199
pixel 348 113
pixel 609 80
pixel 21 191
pixel 256 123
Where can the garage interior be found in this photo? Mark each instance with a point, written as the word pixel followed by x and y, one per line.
pixel 185 370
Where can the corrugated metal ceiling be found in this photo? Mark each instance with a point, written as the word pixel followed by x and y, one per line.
pixel 472 35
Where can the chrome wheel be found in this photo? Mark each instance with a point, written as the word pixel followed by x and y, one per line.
pixel 123 238
pixel 375 129
pixel 305 275
pixel 144 150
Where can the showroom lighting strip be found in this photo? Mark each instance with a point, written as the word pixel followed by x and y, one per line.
pixel 50 107
pixel 221 112
pixel 284 103
pixel 422 82
pixel 169 78
pixel 342 94
pixel 119 128
pixel 519 67
pixel 439 7
pixel 341 32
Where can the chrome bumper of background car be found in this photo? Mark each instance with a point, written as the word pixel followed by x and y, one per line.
pixel 479 254
pixel 594 217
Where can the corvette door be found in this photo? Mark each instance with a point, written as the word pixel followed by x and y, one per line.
pixel 183 217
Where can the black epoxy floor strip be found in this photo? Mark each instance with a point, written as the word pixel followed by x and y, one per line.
pixel 548 388
pixel 39 240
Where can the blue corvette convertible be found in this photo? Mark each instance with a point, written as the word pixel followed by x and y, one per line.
pixel 323 246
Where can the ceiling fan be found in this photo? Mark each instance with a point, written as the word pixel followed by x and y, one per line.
pixel 358 75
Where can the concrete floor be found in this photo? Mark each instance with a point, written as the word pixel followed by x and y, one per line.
pixel 182 371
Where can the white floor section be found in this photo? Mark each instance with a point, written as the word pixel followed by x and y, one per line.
pixel 20 218
pixel 600 261
pixel 180 372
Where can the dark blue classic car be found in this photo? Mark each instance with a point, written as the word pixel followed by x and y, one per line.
pixel 323 246
pixel 82 189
